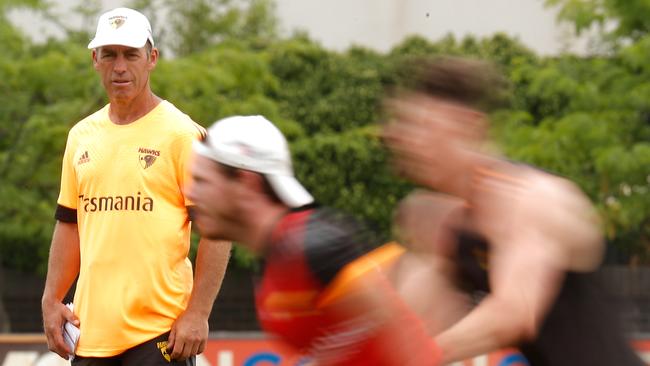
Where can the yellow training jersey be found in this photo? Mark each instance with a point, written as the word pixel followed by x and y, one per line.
pixel 125 183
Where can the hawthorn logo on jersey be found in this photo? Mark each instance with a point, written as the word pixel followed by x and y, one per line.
pixel 83 158
pixel 147 157
pixel 116 203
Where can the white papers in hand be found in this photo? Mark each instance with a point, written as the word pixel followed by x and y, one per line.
pixel 70 334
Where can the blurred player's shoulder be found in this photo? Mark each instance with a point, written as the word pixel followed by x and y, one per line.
pixel 328 229
pixel 329 239
pixel 564 215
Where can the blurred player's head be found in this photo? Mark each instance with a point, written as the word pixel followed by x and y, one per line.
pixel 472 83
pixel 438 121
pixel 241 168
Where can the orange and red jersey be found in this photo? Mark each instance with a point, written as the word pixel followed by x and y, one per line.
pixel 319 270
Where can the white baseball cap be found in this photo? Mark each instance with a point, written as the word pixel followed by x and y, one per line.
pixel 122 26
pixel 254 143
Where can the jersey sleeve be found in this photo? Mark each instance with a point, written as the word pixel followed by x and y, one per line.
pixel 332 241
pixel 69 192
pixel 198 134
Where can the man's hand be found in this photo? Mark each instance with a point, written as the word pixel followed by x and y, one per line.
pixel 188 336
pixel 55 314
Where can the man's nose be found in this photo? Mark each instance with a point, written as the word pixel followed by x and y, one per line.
pixel 120 64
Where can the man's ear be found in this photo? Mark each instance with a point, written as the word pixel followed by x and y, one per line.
pixel 153 58
pixel 95 56
pixel 251 180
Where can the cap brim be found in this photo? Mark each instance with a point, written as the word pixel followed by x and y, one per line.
pixel 289 190
pixel 124 39
pixel 200 148
pixel 287 187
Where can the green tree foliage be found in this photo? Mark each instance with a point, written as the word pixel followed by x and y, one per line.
pixel 194 26
pixel 325 91
pixel 45 104
pixel 349 171
pixel 218 82
pixel 587 119
pixel 583 117
pixel 628 18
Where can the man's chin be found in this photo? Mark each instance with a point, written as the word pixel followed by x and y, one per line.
pixel 121 95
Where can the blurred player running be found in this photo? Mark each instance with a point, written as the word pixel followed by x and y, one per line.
pixel 322 288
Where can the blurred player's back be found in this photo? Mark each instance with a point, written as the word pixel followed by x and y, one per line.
pixel 322 290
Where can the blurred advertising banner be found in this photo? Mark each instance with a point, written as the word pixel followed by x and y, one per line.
pixel 31 350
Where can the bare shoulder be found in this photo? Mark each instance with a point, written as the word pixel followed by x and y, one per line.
pixel 565 216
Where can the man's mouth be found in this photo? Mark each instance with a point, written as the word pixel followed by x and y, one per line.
pixel 121 82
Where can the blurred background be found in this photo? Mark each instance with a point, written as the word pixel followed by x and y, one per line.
pixel 578 105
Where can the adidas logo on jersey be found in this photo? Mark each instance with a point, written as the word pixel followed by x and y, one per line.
pixel 83 158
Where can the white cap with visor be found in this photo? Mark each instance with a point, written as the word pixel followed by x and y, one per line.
pixel 124 27
pixel 254 143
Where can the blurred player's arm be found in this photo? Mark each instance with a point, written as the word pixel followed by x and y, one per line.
pixel 425 223
pixel 366 319
pixel 524 282
pixel 62 269
pixel 537 231
pixel 190 331
pixel 365 305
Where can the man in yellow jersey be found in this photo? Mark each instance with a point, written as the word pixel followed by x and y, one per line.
pixel 123 224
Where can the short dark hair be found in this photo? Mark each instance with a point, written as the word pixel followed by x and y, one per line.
pixel 148 47
pixel 232 173
pixel 471 82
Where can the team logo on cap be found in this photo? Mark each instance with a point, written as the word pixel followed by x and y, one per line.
pixel 116 21
pixel 147 157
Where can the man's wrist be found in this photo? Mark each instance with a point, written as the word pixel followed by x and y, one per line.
pixel 48 299
pixel 198 311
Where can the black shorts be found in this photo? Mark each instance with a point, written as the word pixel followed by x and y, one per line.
pixel 150 353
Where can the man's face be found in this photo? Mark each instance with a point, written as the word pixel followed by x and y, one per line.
pixel 213 194
pixel 433 140
pixel 124 70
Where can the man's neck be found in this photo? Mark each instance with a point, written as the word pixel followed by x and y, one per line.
pixel 125 112
pixel 262 225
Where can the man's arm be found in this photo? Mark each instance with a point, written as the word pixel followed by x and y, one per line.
pixel 524 282
pixel 62 269
pixel 539 227
pixel 189 333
